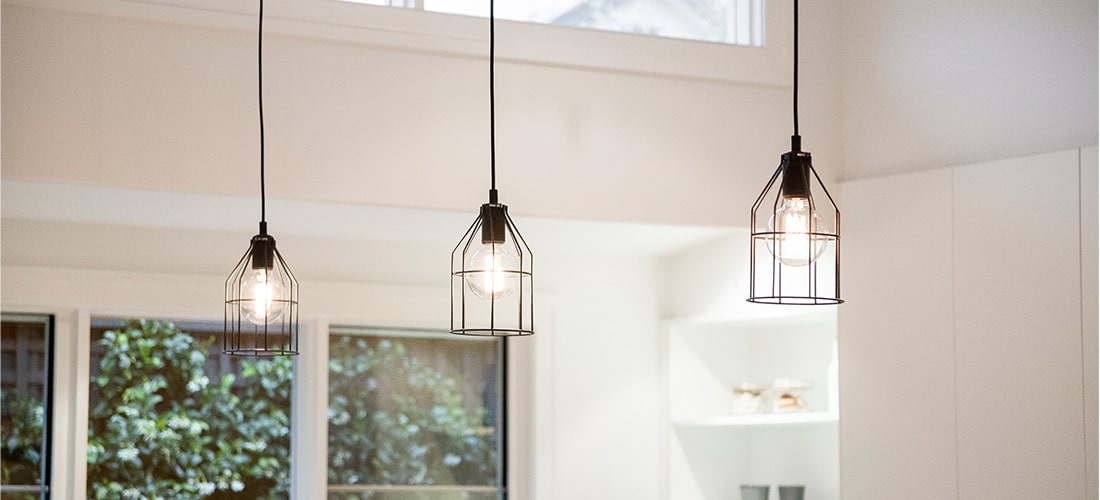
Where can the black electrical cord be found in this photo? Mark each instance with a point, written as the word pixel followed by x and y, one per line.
pixel 260 85
pixel 796 68
pixel 492 102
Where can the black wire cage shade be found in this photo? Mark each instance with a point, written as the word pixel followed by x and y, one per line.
pixel 261 294
pixel 261 303
pixel 492 291
pixel 795 254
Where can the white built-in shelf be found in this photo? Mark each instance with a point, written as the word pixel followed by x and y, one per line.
pixel 807 418
pixel 711 450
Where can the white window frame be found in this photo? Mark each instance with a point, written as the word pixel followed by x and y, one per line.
pixel 466 37
pixel 73 297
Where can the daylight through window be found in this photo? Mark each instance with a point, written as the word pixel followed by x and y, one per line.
pixel 738 22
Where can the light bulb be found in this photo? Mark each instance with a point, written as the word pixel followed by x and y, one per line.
pixel 490 270
pixel 260 296
pixel 794 222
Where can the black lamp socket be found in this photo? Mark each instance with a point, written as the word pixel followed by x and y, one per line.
pixel 493 223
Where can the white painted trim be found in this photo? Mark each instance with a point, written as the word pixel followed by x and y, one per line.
pixel 530 401
pixel 309 403
pixel 664 417
pixel 69 400
pixel 64 366
pixel 463 36
pixel 81 335
pixel 542 454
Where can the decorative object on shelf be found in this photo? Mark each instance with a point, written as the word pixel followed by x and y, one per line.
pixel 787 398
pixel 748 399
pixel 791 492
pixel 261 294
pixel 797 223
pixel 754 492
pixel 491 272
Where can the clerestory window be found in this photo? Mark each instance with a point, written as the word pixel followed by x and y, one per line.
pixel 737 22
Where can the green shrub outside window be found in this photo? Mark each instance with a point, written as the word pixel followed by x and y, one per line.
pixel 164 422
pixel 413 412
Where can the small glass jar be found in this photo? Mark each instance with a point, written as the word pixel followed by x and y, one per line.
pixel 748 399
pixel 788 395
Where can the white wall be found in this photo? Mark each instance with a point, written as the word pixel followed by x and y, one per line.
pixel 168 106
pixel 607 384
pixel 969 334
pixel 938 84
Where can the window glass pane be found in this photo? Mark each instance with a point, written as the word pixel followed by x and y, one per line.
pixel 171 417
pixel 706 20
pixel 738 22
pixel 25 357
pixel 387 3
pixel 413 415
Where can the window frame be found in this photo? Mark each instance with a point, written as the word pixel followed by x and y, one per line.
pixel 502 410
pixel 45 489
pixel 466 37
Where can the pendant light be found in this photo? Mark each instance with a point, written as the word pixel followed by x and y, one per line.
pixel 795 254
pixel 491 279
pixel 261 294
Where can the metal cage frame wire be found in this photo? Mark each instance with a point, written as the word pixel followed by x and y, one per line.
pixel 524 299
pixel 280 339
pixel 775 293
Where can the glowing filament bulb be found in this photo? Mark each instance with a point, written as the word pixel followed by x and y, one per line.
pixel 795 222
pixel 260 302
pixel 491 271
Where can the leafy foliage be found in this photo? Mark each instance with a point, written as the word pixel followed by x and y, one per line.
pixel 160 428
pixel 20 456
pixel 395 420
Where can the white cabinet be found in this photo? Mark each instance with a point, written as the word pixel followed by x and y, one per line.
pixel 1018 329
pixel 712 452
pixel 963 342
pixel 897 341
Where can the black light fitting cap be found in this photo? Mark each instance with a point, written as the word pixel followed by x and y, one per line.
pixel 796 173
pixel 493 222
pixel 263 250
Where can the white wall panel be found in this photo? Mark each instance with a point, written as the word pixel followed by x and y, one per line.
pixel 897 399
pixel 606 382
pixel 1018 328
